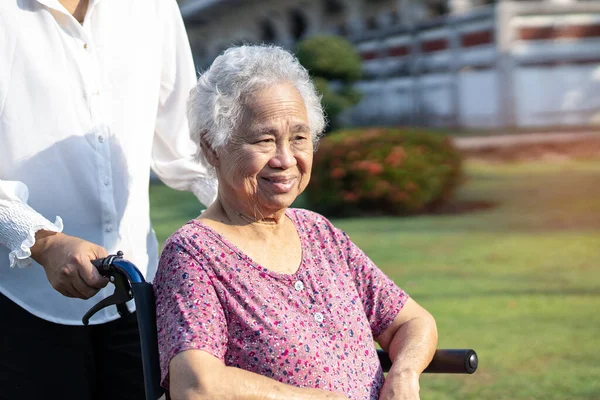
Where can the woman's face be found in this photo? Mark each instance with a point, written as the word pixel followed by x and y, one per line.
pixel 268 161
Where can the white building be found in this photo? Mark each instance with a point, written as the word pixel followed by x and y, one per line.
pixel 466 63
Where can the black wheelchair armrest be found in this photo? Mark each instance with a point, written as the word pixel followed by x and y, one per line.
pixel 445 361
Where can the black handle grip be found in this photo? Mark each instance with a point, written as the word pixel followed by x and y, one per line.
pixel 445 361
pixel 103 265
pixel 120 278
pixel 453 361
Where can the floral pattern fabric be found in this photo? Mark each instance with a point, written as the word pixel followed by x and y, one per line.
pixel 313 328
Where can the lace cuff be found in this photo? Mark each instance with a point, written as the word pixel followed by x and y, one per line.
pixel 18 226
pixel 205 189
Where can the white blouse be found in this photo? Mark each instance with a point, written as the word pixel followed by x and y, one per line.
pixel 85 111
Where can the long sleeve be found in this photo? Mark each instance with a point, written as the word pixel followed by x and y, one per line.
pixel 19 222
pixel 173 150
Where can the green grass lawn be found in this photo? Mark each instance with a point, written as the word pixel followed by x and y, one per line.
pixel 519 282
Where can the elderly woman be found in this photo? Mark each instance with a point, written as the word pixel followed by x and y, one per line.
pixel 258 300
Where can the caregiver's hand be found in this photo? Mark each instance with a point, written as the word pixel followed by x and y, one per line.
pixel 67 261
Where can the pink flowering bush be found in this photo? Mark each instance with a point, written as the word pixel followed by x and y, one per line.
pixel 383 171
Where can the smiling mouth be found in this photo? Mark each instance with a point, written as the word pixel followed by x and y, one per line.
pixel 276 179
pixel 280 184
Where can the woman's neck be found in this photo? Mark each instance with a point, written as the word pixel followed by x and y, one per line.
pixel 237 216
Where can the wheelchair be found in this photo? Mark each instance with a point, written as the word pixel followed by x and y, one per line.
pixel 130 284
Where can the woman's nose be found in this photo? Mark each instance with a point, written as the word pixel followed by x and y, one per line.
pixel 284 157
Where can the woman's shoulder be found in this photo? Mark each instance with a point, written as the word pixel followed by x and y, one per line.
pixel 187 234
pixel 304 216
pixel 313 223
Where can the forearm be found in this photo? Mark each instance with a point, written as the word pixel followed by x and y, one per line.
pixel 413 346
pixel 234 383
pixel 173 150
pixel 411 349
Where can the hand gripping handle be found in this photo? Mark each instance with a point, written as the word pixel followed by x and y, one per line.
pixel 122 293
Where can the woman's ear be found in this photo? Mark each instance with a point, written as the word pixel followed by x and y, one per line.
pixel 208 152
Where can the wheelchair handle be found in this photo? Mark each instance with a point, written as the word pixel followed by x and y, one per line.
pixel 130 284
pixel 122 274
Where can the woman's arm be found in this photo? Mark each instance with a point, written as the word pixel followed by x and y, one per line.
pixel 196 374
pixel 173 150
pixel 411 341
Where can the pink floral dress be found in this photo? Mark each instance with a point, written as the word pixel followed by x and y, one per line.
pixel 313 328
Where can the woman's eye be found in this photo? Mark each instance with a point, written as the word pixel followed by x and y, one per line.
pixel 266 140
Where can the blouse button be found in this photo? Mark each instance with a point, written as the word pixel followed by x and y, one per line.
pixel 319 317
pixel 299 285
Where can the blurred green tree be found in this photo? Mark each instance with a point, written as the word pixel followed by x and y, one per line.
pixel 334 65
